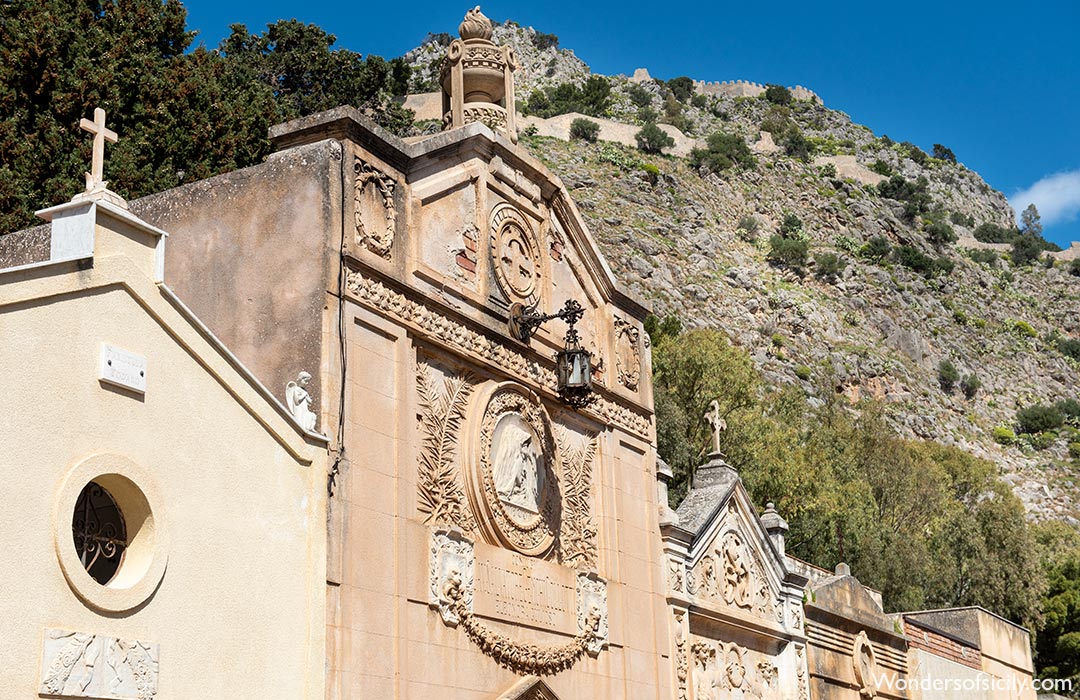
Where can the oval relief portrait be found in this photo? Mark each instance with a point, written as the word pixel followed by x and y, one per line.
pixel 512 483
pixel 517 464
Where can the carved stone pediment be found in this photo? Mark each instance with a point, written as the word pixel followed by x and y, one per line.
pixel 529 688
pixel 734 567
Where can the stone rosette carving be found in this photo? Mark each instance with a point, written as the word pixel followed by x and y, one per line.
pixel 515 254
pixel 451 575
pixel 627 353
pixel 459 337
pixel 592 612
pixel 512 482
pixel 864 665
pixel 451 591
pixel 577 537
pixel 440 497
pixel 374 210
pixel 86 665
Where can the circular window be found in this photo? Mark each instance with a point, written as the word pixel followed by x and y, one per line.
pixel 109 534
pixel 97 528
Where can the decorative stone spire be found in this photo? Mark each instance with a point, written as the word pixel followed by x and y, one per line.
pixel 477 79
pixel 775 525
pixel 96 187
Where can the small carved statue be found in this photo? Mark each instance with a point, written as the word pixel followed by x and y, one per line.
pixel 298 399
pixel 718 424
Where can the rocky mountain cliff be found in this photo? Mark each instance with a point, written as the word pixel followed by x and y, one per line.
pixel 697 245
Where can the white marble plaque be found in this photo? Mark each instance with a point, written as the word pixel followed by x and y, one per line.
pixel 86 665
pixel 123 368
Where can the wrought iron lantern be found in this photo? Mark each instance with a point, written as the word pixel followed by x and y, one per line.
pixel 573 364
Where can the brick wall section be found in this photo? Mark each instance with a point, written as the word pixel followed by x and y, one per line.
pixel 932 642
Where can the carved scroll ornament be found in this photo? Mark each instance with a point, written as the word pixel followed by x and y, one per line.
pixel 731 574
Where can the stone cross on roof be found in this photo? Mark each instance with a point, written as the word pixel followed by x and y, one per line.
pixel 717 423
pixel 101 134
pixel 96 189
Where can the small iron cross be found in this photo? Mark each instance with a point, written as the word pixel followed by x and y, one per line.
pixel 101 135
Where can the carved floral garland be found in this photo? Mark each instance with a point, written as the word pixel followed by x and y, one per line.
pixel 517 656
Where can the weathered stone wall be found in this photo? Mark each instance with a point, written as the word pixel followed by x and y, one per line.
pixel 559 127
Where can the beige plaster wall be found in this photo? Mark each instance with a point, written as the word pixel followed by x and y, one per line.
pixel 252 252
pixel 238 611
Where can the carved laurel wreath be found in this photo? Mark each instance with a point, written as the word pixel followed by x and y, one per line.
pixel 380 238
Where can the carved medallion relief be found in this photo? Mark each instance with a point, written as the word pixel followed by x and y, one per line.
pixel 864 663
pixel 512 481
pixel 515 254
pixel 373 207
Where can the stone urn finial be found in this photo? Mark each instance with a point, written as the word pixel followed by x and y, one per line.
pixel 475 25
pixel 477 78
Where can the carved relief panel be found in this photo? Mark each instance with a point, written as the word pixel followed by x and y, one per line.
pixel 724 670
pixel 627 353
pixel 85 665
pixel 730 574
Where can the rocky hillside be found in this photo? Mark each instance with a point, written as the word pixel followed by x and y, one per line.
pixel 697 244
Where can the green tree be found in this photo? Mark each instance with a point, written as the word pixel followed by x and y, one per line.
pixel 944 153
pixel 948 375
pixel 788 252
pixel 180 115
pixel 689 371
pixel 1057 644
pixel 723 151
pixel 1031 222
pixel 584 129
pixel 653 139
pixel 778 95
pixel 682 88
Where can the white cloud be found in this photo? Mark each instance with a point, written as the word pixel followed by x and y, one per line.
pixel 1057 197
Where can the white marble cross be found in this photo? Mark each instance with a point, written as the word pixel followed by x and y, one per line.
pixel 101 135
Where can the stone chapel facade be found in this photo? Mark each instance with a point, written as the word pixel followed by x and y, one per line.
pixel 484 537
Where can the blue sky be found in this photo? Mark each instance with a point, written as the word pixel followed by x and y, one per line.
pixel 997 83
